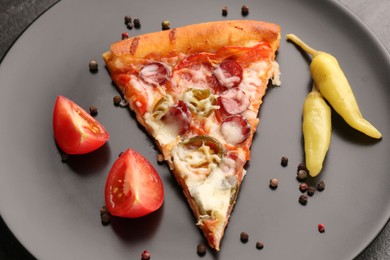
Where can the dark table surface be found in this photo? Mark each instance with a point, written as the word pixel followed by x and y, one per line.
pixel 17 15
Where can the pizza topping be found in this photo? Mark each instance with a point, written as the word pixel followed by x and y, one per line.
pixel 161 107
pixel 233 101
pixel 229 73
pixel 155 73
pixel 200 101
pixel 235 129
pixel 180 116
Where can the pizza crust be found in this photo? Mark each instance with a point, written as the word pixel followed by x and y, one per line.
pixel 210 36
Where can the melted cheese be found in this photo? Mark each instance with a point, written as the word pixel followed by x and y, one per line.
pixel 202 107
pixel 232 132
pixel 141 87
pixel 223 79
pixel 164 133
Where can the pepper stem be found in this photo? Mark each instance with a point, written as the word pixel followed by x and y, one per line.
pixel 303 45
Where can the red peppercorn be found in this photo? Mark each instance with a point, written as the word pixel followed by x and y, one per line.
pixel 321 228
pixel 145 255
pixel 125 35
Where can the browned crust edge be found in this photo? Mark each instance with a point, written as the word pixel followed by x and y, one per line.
pixel 209 36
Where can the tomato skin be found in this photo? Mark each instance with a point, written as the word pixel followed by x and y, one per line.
pixel 75 131
pixel 133 187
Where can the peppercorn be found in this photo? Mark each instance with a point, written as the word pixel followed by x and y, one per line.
pixel 117 100
pixel 225 11
pixel 137 23
pixel 244 10
pixel 310 190
pixel 201 249
pixel 166 25
pixel 321 228
pixel 273 183
pixel 125 35
pixel 284 161
pixel 145 255
pixel 321 186
pixel 302 166
pixel 303 187
pixel 93 110
pixel 244 237
pixel 93 66
pixel 128 19
pixel 301 175
pixel 129 25
pixel 160 158
pixel 303 199
pixel 259 245
pixel 105 215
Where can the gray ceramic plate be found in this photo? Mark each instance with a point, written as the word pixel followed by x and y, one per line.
pixel 53 208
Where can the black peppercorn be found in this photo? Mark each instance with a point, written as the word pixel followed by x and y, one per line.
pixel 259 245
pixel 117 100
pixel 225 11
pixel 93 66
pixel 128 19
pixel 303 187
pixel 129 25
pixel 93 110
pixel 137 23
pixel 145 255
pixel 105 215
pixel 166 25
pixel 244 237
pixel 301 175
pixel 303 199
pixel 245 10
pixel 273 183
pixel 310 190
pixel 284 161
pixel 321 186
pixel 201 249
pixel 302 166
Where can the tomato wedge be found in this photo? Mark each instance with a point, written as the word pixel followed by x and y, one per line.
pixel 133 187
pixel 75 131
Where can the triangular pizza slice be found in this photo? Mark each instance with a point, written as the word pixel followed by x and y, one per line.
pixel 197 91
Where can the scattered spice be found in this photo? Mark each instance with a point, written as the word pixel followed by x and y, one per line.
pixel 303 187
pixel 145 255
pixel 117 100
pixel 129 25
pixel 311 190
pixel 93 66
pixel 303 199
pixel 321 228
pixel 301 175
pixel 166 25
pixel 259 245
pixel 302 166
pixel 273 183
pixel 321 186
pixel 201 249
pixel 160 157
pixel 123 103
pixel 244 10
pixel 244 237
pixel 128 19
pixel 284 161
pixel 225 11
pixel 125 35
pixel 93 110
pixel 137 23
pixel 105 215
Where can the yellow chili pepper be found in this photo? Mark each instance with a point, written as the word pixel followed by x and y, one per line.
pixel 317 129
pixel 333 85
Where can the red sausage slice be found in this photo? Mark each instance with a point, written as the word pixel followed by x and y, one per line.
pixel 235 129
pixel 179 115
pixel 154 73
pixel 233 101
pixel 229 73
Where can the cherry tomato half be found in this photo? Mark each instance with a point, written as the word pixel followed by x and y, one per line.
pixel 75 131
pixel 133 187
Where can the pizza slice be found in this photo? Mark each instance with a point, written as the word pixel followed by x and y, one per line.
pixel 197 91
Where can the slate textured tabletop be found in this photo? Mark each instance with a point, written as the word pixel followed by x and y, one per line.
pixel 17 15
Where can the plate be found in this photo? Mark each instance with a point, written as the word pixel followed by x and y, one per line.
pixel 53 207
